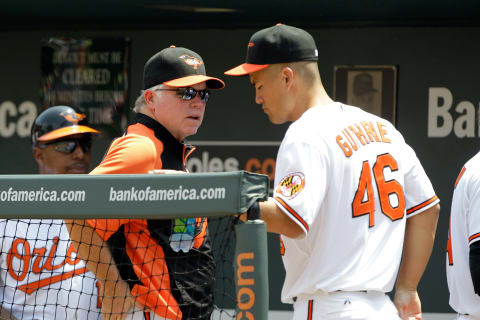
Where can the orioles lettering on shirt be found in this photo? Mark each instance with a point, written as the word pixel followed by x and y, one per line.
pixel 360 134
pixel 21 254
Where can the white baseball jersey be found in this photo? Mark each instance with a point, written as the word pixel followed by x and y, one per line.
pixel 349 180
pixel 41 276
pixel 464 230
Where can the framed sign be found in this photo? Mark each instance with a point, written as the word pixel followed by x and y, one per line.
pixel 91 75
pixel 372 88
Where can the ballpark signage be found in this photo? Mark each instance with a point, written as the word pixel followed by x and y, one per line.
pixel 251 271
pixel 116 196
pixel 16 120
pixel 441 111
pixel 90 74
pixel 225 156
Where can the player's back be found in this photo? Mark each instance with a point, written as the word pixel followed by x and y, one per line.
pixel 464 230
pixel 361 172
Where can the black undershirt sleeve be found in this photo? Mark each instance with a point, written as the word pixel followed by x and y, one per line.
pixel 475 265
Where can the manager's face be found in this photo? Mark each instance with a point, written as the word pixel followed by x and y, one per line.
pixel 181 110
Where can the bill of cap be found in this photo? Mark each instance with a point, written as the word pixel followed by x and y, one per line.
pixel 65 132
pixel 245 69
pixel 211 82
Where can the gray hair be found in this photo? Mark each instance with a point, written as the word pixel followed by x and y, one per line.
pixel 140 102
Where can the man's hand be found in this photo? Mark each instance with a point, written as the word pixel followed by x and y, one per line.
pixel 408 304
pixel 252 213
pixel 117 301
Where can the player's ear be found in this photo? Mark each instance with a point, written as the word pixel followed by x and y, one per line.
pixel 287 76
pixel 38 154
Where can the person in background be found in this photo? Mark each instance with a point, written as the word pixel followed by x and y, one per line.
pixel 41 276
pixel 463 247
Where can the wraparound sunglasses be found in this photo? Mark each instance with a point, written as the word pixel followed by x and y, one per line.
pixel 69 145
pixel 189 93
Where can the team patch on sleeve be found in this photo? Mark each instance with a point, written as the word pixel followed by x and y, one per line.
pixel 291 185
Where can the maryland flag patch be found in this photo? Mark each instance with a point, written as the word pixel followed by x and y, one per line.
pixel 291 185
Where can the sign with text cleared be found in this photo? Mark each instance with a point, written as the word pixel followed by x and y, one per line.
pixel 89 74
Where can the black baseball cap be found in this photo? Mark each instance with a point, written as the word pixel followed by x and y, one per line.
pixel 278 44
pixel 177 67
pixel 59 122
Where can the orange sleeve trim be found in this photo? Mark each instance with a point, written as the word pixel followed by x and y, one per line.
pixel 422 205
pixel 292 212
pixel 459 177
pixel 475 236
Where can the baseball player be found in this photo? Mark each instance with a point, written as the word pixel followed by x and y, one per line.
pixel 41 276
pixel 463 248
pixel 349 193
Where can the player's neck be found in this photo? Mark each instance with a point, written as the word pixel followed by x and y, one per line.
pixel 313 96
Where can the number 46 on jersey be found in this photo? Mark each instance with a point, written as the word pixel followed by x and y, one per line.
pixel 364 201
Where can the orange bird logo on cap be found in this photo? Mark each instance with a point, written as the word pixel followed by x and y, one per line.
pixel 73 117
pixel 251 44
pixel 191 61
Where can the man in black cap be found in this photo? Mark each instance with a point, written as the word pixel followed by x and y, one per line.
pixel 164 267
pixel 345 183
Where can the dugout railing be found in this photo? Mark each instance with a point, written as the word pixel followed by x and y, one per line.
pixel 157 196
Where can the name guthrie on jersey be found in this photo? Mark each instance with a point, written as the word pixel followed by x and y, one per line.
pixel 359 134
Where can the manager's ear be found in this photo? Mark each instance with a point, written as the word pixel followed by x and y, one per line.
pixel 149 97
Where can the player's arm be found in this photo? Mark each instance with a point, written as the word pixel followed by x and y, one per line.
pixel 277 221
pixel 417 248
pixel 115 293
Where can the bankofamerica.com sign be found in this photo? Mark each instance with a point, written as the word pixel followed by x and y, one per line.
pixel 445 119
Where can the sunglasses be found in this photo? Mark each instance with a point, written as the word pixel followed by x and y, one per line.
pixel 189 93
pixel 69 145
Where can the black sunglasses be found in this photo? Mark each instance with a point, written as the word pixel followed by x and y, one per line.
pixel 69 145
pixel 189 93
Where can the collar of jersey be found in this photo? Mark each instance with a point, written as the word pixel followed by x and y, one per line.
pixel 169 142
